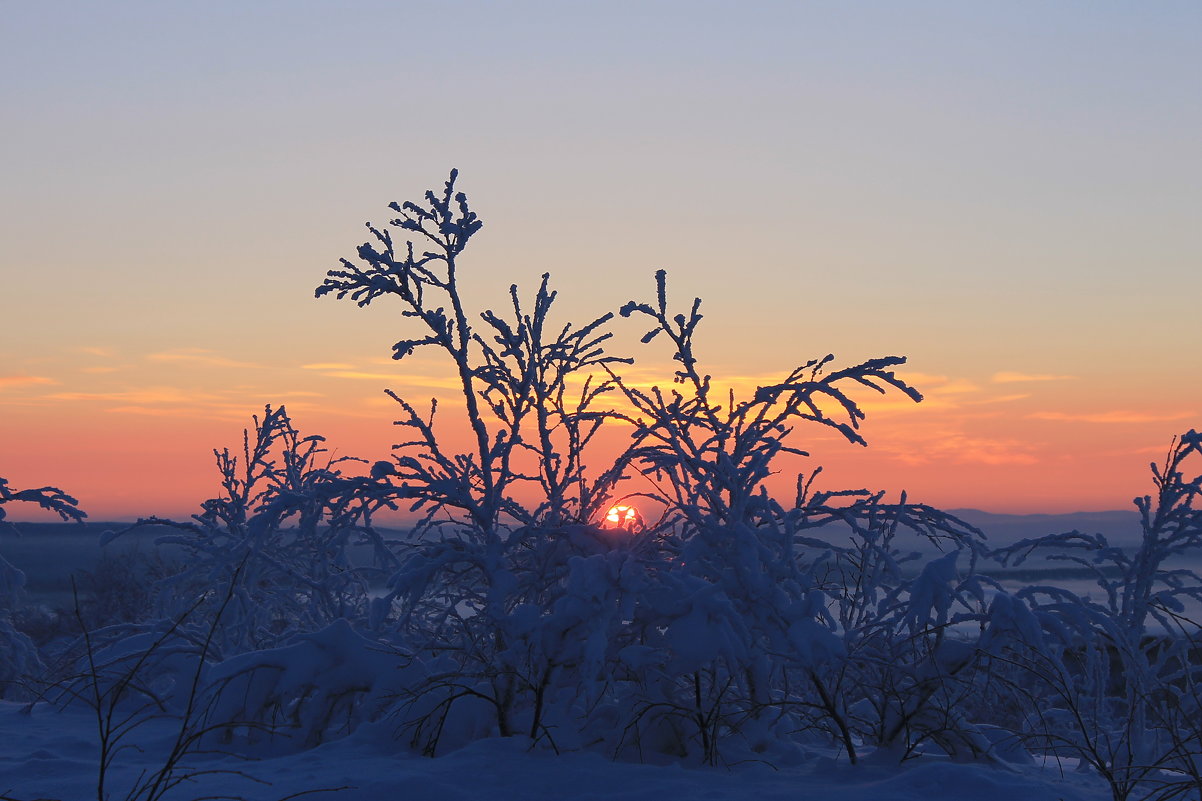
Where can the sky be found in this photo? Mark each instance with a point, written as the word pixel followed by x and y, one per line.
pixel 1006 194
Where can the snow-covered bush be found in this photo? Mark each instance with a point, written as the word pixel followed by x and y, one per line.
pixel 1139 584
pixel 907 651
pixel 481 555
pixel 122 587
pixel 131 675
pixel 859 645
pixel 317 687
pixel 19 658
pixel 282 524
pixel 1097 683
pixel 705 624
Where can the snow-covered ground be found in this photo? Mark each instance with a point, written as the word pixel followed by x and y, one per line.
pixel 52 755
pixel 48 753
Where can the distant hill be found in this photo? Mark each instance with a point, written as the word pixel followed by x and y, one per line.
pixel 1120 527
pixel 81 530
pixel 49 553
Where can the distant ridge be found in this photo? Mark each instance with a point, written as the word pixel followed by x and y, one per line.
pixel 1119 526
pixel 1116 523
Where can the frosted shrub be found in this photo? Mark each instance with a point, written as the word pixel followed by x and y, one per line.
pixel 283 524
pixel 121 588
pixel 706 623
pixel 19 658
pixel 869 671
pixel 483 558
pixel 513 371
pixel 1097 683
pixel 906 650
pixel 1141 584
pixel 317 687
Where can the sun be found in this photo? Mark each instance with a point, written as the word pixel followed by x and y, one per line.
pixel 623 516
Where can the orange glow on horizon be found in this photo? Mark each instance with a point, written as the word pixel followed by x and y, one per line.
pixel 969 444
pixel 138 440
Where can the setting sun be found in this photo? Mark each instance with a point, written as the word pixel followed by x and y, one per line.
pixel 623 516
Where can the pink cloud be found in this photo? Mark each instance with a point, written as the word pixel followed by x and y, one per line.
pixel 1118 416
pixel 7 381
pixel 1017 378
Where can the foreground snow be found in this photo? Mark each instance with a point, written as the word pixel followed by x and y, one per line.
pixel 52 755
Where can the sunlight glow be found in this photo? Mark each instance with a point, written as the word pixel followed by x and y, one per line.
pixel 623 516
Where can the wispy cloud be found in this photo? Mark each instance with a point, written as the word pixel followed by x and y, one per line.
pixel 399 381
pixel 328 366
pixel 13 381
pixel 164 401
pixel 168 395
pixel 363 375
pixel 220 412
pixel 1118 416
pixel 999 399
pixel 928 383
pixel 1019 378
pixel 197 356
pixel 961 448
pixel 938 392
